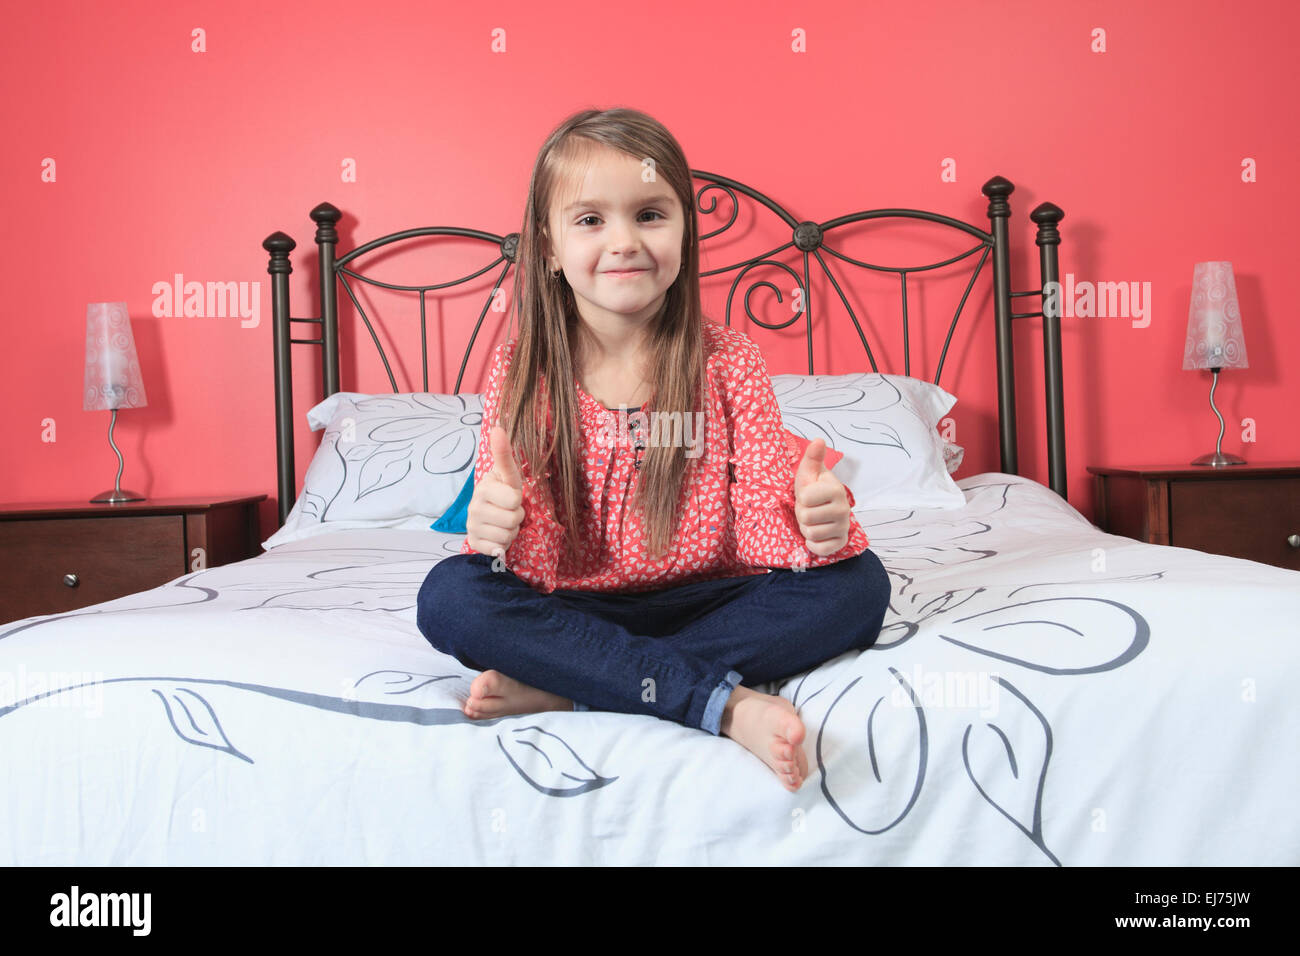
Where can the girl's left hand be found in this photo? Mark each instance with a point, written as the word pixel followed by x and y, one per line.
pixel 821 505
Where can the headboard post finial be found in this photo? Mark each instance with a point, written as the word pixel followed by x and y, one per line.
pixel 999 190
pixel 279 246
pixel 1048 217
pixel 326 216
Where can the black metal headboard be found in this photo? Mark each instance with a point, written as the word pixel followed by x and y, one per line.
pixel 807 237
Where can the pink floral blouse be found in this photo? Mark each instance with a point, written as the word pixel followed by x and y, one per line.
pixel 737 514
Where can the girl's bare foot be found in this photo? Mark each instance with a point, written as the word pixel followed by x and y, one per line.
pixel 493 694
pixel 768 727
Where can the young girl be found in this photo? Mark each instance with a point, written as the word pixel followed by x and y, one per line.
pixel 663 558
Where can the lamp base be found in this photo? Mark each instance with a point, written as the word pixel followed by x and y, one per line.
pixel 115 495
pixel 1218 460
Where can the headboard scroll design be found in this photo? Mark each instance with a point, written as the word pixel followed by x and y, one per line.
pixel 810 239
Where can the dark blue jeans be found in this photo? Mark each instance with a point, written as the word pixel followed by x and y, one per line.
pixel 675 653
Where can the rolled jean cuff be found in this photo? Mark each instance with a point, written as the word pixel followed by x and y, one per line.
pixel 712 720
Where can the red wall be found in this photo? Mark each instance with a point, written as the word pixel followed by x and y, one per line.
pixel 173 161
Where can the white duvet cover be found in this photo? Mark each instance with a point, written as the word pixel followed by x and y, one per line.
pixel 1041 694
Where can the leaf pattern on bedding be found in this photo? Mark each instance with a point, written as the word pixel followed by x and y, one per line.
pixel 313 505
pixel 877 433
pixel 869 736
pixel 383 469
pixel 1010 756
pixel 547 763
pixel 1102 634
pixel 1028 634
pixel 194 720
pixel 1006 758
pixel 927 548
pixel 799 690
pixel 922 607
pixel 401 682
pixel 543 759
pixel 358 451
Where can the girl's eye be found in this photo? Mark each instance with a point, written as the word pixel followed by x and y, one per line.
pixel 653 212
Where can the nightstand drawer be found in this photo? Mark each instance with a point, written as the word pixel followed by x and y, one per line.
pixel 1244 518
pixel 110 557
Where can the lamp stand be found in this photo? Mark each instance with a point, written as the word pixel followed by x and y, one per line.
pixel 1218 459
pixel 116 494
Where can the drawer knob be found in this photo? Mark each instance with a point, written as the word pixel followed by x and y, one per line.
pixel 1294 540
pixel 71 580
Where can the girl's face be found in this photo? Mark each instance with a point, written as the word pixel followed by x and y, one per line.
pixel 618 239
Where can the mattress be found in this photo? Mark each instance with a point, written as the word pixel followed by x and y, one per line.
pixel 1041 694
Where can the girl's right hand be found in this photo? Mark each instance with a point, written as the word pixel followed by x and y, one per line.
pixel 496 509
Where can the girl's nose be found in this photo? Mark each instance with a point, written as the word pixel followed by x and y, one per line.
pixel 623 239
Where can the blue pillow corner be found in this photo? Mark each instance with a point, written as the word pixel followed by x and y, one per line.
pixel 454 518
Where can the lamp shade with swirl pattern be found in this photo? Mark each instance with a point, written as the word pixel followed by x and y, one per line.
pixel 1214 334
pixel 113 377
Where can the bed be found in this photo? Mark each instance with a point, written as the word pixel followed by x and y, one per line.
pixel 1042 693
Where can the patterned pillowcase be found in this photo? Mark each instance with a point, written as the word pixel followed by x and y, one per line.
pixel 400 460
pixel 385 461
pixel 886 426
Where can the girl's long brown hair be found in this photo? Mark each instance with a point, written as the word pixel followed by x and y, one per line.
pixel 543 359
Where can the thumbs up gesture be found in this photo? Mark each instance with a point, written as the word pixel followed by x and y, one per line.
pixel 821 505
pixel 496 509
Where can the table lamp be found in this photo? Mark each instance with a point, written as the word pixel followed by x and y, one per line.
pixel 1214 339
pixel 112 378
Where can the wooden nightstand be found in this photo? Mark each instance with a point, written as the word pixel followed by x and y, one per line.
pixel 1244 511
pixel 60 556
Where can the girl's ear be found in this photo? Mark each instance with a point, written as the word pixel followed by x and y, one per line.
pixel 547 252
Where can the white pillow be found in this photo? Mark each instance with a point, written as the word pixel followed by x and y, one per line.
pixel 885 425
pixel 385 461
